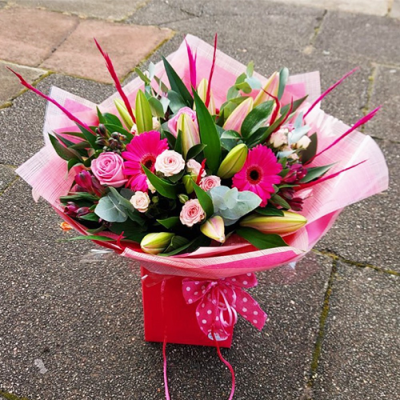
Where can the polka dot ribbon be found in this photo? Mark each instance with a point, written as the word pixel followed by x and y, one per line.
pixel 220 301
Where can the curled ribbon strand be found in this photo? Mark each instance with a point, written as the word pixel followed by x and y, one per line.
pixel 220 301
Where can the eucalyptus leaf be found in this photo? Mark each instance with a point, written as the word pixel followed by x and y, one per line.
pixel 261 240
pixel 283 78
pixel 110 209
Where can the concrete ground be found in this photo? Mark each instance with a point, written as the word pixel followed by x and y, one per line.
pixel 71 319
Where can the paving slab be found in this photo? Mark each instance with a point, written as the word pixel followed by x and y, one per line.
pixel 395 10
pixel 7 176
pixel 112 10
pixel 373 7
pixel 25 119
pixel 367 232
pixel 10 86
pixel 360 37
pixel 72 323
pixel 360 356
pixel 225 17
pixel 127 45
pixel 23 39
pixel 386 93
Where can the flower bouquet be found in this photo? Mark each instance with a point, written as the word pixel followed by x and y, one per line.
pixel 205 172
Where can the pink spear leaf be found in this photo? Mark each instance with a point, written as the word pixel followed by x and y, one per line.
pixel 56 103
pixel 117 83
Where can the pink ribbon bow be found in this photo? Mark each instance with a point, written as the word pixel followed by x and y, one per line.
pixel 220 301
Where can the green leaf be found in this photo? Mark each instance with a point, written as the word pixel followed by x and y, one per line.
pixel 72 163
pixel 250 69
pixel 283 78
pixel 208 134
pixel 232 93
pixel 110 209
pixel 163 187
pixel 78 196
pixel 176 102
pixel 178 142
pixel 195 151
pixel 75 134
pixel 128 228
pixel 90 217
pixel 189 247
pixel 260 240
pixel 142 76
pixel 244 87
pixel 177 84
pixel 256 118
pixel 100 116
pixel 230 135
pixel 169 222
pixel 177 242
pixel 157 108
pixel 204 200
pixel 66 142
pixel 89 136
pixel 316 172
pixel 276 199
pixel 308 153
pixel 144 117
pixel 112 119
pixel 270 211
pixel 64 152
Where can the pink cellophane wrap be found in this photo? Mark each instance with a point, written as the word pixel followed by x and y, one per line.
pixel 47 173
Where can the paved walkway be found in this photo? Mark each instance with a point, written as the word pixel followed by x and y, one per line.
pixel 71 319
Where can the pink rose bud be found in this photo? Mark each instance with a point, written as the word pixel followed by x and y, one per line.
pixel 192 213
pixel 173 122
pixel 279 138
pixel 140 201
pixel 170 163
pixel 193 167
pixel 107 168
pixel 210 182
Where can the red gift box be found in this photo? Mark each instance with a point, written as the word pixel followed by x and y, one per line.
pixel 167 315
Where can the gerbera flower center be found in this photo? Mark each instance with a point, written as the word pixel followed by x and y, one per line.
pixel 148 161
pixel 254 175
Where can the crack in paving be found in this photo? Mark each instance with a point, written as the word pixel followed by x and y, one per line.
pixel 8 186
pixel 337 257
pixel 370 90
pixel 307 394
pixel 10 396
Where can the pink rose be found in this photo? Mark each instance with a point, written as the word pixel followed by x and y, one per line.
pixel 210 182
pixel 193 167
pixel 140 201
pixel 169 162
pixel 107 168
pixel 173 122
pixel 192 213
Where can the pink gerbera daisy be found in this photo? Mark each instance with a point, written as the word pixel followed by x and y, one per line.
pixel 259 173
pixel 142 150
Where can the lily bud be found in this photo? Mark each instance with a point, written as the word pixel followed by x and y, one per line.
pixel 271 86
pixel 214 229
pixel 233 162
pixel 123 112
pixel 235 120
pixel 155 243
pixel 202 92
pixel 289 223
pixel 144 117
pixel 189 132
